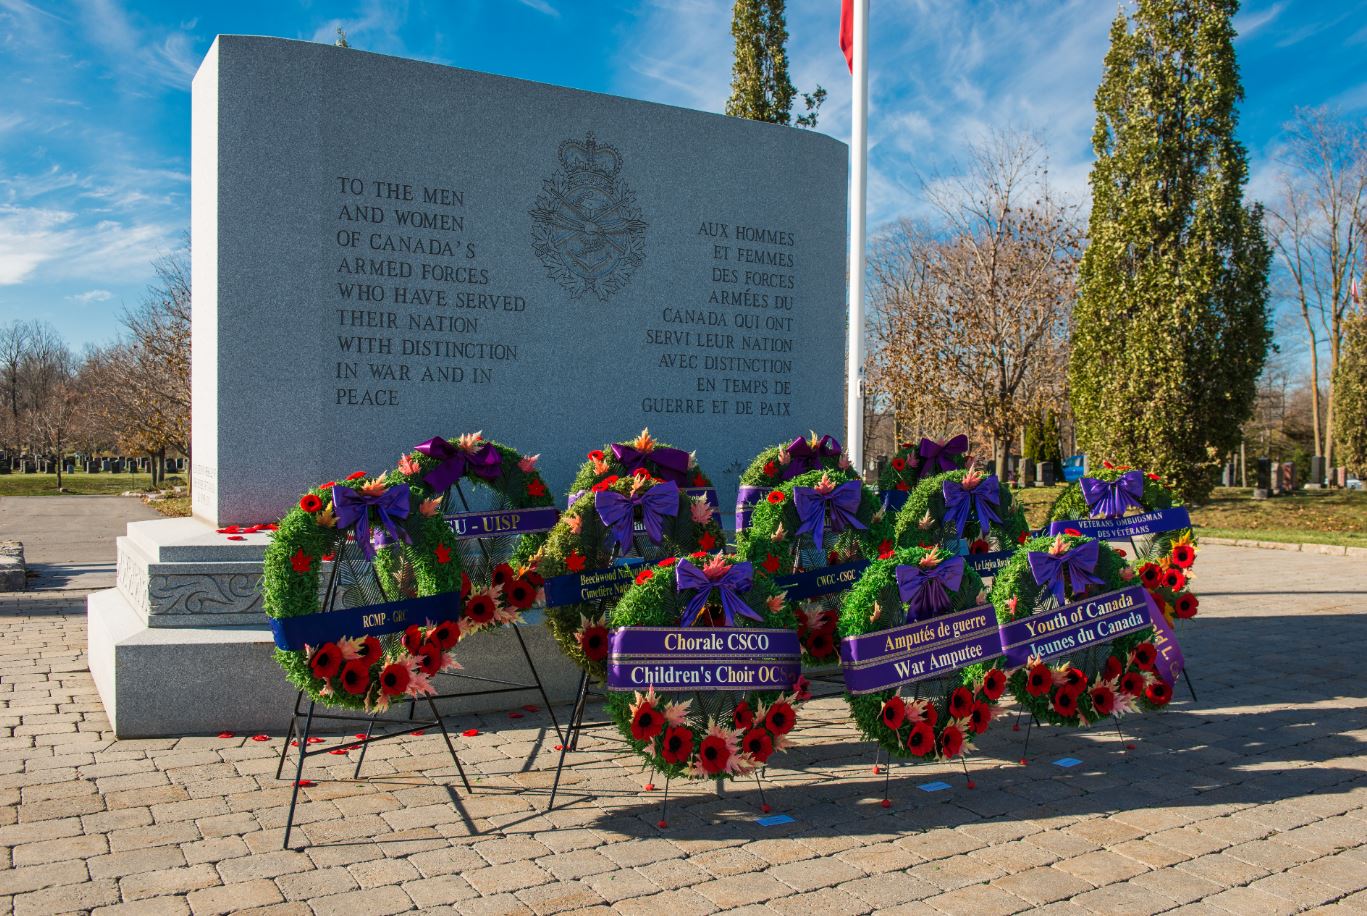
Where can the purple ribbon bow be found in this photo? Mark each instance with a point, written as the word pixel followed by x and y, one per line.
pixel 1110 498
pixel 736 580
pixel 485 461
pixel 843 503
pixel 1077 561
pixel 938 457
pixel 982 500
pixel 353 509
pixel 805 457
pixel 618 511
pixel 927 592
pixel 665 463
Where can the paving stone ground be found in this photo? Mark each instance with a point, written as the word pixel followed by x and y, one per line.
pixel 1252 800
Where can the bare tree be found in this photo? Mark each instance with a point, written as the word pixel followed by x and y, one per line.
pixel 971 311
pixel 1316 232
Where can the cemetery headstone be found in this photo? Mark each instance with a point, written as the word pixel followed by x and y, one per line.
pixel 1044 474
pixel 1317 472
pixel 1340 476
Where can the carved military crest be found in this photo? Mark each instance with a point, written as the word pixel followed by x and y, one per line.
pixel 586 227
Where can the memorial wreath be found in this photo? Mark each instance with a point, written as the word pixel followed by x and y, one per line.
pixel 783 462
pixel 1066 682
pixel 660 459
pixel 582 559
pixel 895 598
pixel 915 461
pixel 964 512
pixel 718 732
pixel 814 534
pixel 382 517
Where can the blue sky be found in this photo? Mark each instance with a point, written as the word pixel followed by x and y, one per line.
pixel 95 104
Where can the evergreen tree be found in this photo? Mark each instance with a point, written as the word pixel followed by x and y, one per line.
pixel 1350 395
pixel 760 87
pixel 1171 328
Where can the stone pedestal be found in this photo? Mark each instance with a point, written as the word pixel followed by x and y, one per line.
pixel 182 646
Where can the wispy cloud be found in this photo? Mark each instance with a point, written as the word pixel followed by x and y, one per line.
pixel 1250 21
pixel 53 245
pixel 89 296
pixel 541 6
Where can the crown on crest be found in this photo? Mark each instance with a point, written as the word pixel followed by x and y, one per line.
pixel 590 160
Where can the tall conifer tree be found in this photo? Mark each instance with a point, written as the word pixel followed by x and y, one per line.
pixel 760 87
pixel 1171 328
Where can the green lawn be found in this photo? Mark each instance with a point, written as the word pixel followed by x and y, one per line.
pixel 79 484
pixel 1306 516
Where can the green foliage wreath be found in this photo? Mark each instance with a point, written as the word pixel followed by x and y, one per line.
pixel 931 727
pixel 601 463
pixel 768 468
pixel 580 542
pixel 1109 680
pixel 363 673
pixel 921 521
pixel 713 734
pixel 777 550
pixel 906 468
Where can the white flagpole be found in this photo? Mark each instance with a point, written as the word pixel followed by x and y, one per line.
pixel 859 155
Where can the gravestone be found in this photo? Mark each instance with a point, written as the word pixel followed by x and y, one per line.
pixel 1044 474
pixel 1340 476
pixel 1317 472
pixel 386 250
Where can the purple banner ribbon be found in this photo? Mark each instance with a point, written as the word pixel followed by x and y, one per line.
pixel 707 493
pixel 1121 529
pixel 824 581
pixel 500 522
pixel 746 497
pixel 692 659
pixel 919 651
pixel 1091 622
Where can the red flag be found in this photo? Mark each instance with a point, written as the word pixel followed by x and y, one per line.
pixel 847 31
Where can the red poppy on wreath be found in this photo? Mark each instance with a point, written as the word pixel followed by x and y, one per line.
pixel 775 497
pixel 369 650
pixel 503 574
pixel 832 558
pixel 1038 680
pixel 1151 574
pixel 646 723
pixel 899 464
pixel 677 745
pixel 310 503
pixel 960 702
pixel 465 585
pixel 820 644
pixel 668 561
pixel 413 639
pixel 1065 701
pixel 1022 537
pixel 327 486
pixel 980 718
pixel 355 475
pixel 894 712
pixel 1185 605
pixel 1174 579
pixel 951 741
pixel 593 639
pixel 1132 682
pixel 326 661
pixel 355 677
pixel 770 469
pixel 595 455
pixel 921 741
pixel 1144 655
pixel 713 754
pixel 520 594
pixel 903 485
pixel 1103 699
pixel 780 718
pixel 770 564
pixel 758 745
pixel 1152 476
pixel 606 482
pixel 1158 693
pixel 301 562
pixel 480 609
pixel 994 684
pixel 707 541
pixel 699 480
pixel 979 546
pixel 743 716
pixel 645 575
pixel 575 561
pixel 394 679
pixel 929 715
pixel 429 657
pixel 1111 669
pixel 885 549
pixel 1075 678
pixel 443 554
pixel 641 472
